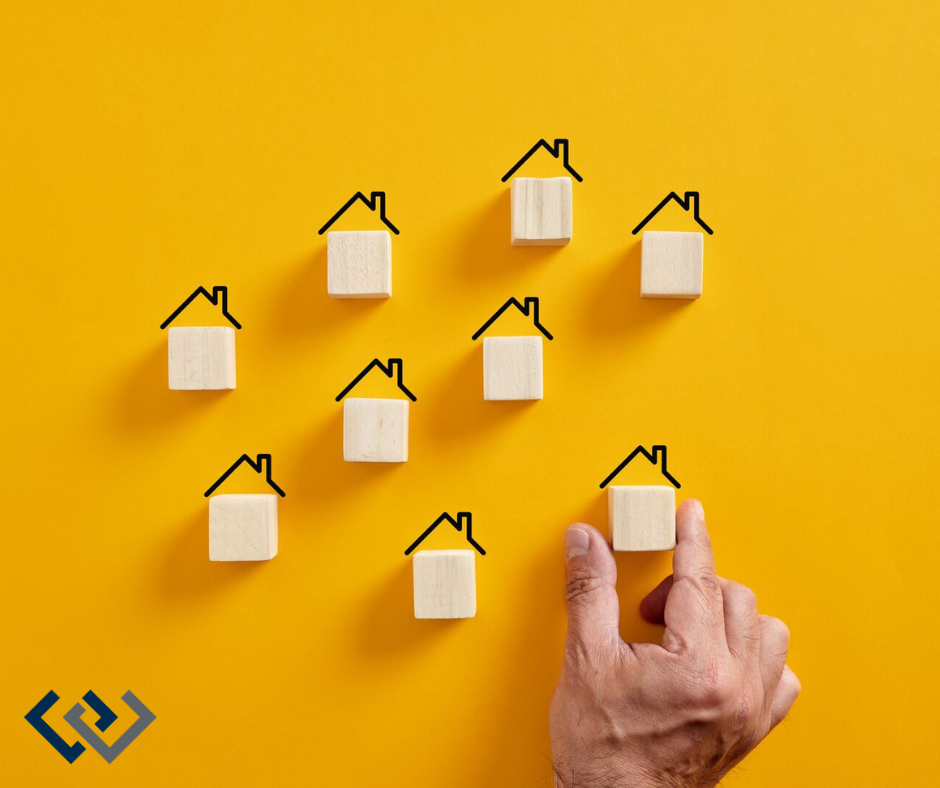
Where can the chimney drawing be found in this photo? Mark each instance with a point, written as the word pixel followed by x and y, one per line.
pixel 462 523
pixel 657 456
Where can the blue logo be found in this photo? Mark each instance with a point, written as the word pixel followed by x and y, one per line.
pixel 74 718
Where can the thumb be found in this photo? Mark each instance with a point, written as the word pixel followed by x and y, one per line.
pixel 593 607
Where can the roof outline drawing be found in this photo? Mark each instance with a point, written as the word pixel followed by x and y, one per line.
pixel 530 306
pixel 691 200
pixel 560 148
pixel 218 296
pixel 658 451
pixel 458 524
pixel 375 200
pixel 262 461
pixel 395 367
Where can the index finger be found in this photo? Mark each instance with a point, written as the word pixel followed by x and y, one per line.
pixel 693 558
pixel 694 611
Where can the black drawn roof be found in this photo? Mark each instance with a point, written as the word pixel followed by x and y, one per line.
pixel 462 517
pixel 377 200
pixel 531 306
pixel 690 201
pixel 219 295
pixel 394 367
pixel 263 462
pixel 654 457
pixel 560 148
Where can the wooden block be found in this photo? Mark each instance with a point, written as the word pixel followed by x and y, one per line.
pixel 672 265
pixel 642 517
pixel 541 211
pixel 445 583
pixel 375 430
pixel 359 264
pixel 512 368
pixel 242 527
pixel 201 358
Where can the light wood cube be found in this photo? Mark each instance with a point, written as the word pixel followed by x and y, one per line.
pixel 672 265
pixel 201 358
pixel 445 583
pixel 359 264
pixel 642 517
pixel 512 368
pixel 242 527
pixel 541 211
pixel 375 430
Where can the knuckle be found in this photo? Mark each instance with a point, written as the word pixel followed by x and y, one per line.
pixel 714 688
pixel 582 583
pixel 707 583
pixel 742 594
pixel 777 628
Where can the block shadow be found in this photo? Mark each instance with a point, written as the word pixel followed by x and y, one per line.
pixel 387 626
pixel 614 306
pixel 486 251
pixel 321 473
pixel 186 573
pixel 144 400
pixel 468 413
pixel 535 654
pixel 301 308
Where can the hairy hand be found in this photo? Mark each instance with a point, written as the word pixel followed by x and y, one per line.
pixel 638 715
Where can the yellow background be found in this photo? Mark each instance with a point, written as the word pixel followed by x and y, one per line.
pixel 146 150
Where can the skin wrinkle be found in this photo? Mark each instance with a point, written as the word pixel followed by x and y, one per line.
pixel 679 715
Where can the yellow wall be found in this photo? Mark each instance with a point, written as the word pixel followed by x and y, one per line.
pixel 148 151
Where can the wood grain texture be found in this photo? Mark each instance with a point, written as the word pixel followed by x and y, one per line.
pixel 375 430
pixel 672 265
pixel 445 583
pixel 359 264
pixel 541 211
pixel 242 527
pixel 201 358
pixel 512 368
pixel 642 517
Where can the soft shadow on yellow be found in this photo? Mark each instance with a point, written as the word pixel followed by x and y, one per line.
pixel 145 402
pixel 320 474
pixel 467 413
pixel 485 253
pixel 614 306
pixel 387 627
pixel 186 574
pixel 301 309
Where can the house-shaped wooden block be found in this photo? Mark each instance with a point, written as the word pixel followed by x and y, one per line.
pixel 243 527
pixel 445 584
pixel 542 207
pixel 672 263
pixel 512 366
pixel 541 211
pixel 376 430
pixel 445 580
pixel 201 358
pixel 642 517
pixel 359 262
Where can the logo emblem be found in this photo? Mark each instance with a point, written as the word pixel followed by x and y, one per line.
pixel 74 718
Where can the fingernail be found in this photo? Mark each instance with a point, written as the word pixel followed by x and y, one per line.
pixel 696 506
pixel 577 542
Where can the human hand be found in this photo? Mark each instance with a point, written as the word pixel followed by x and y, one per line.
pixel 680 714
